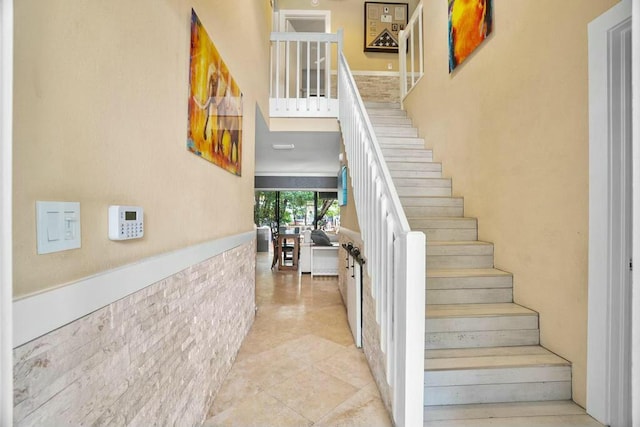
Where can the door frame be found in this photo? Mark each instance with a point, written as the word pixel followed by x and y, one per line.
pixel 6 242
pixel 284 14
pixel 635 276
pixel 607 352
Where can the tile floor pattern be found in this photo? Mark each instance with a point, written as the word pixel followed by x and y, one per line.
pixel 298 365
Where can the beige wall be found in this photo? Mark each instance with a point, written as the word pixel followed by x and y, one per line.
pixel 100 110
pixel 349 15
pixel 511 127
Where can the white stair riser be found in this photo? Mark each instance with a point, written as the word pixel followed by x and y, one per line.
pixel 492 393
pixel 448 234
pixel 398 175
pixel 386 105
pixel 481 323
pixel 402 144
pixel 424 182
pixel 428 223
pixel 401 165
pixel 457 339
pixel 459 261
pixel 457 256
pixel 420 184
pixel 386 112
pixel 442 201
pixel 434 211
pixel 426 192
pixel 423 165
pixel 468 296
pixel 390 121
pixel 509 375
pixel 469 248
pixel 396 131
pixel 416 162
pixel 473 282
pixel 408 153
pixel 503 414
pixel 393 141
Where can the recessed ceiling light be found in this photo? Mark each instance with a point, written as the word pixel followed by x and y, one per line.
pixel 283 146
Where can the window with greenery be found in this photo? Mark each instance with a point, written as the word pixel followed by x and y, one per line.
pixel 295 208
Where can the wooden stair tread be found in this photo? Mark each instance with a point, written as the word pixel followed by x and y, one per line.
pixel 419 201
pixel 495 411
pixel 461 243
pixel 466 272
pixel 404 140
pixel 477 310
pixel 471 309
pixel 485 351
pixel 442 222
pixel 382 104
pixel 413 147
pixel 491 358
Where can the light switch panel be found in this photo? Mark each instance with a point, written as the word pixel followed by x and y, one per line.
pixel 57 226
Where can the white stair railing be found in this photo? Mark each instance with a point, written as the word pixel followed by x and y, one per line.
pixel 302 83
pixel 409 35
pixel 395 256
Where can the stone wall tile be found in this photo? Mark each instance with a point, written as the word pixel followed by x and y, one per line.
pixel 157 356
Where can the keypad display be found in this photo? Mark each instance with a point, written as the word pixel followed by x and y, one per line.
pixel 126 222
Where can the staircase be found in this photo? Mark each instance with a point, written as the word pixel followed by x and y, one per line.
pixel 482 360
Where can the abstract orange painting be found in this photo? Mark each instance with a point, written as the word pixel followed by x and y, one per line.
pixel 470 22
pixel 215 104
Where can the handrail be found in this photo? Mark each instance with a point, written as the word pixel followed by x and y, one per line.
pixel 408 82
pixel 301 77
pixel 395 255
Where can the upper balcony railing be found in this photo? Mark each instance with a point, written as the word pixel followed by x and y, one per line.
pixel 411 57
pixel 303 82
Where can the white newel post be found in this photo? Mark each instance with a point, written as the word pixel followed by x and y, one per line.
pixel 409 329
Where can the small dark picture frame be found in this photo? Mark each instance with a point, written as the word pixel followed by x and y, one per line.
pixel 382 24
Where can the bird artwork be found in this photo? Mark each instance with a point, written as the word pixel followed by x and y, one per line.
pixel 470 23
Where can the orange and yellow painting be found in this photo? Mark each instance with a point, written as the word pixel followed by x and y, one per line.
pixel 470 22
pixel 215 104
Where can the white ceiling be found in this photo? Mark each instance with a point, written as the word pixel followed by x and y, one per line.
pixel 315 153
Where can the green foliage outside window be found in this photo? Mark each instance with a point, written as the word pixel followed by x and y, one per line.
pixel 294 206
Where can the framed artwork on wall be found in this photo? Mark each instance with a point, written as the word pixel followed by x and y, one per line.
pixel 215 104
pixel 470 23
pixel 382 24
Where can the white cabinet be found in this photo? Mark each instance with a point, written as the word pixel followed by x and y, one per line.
pixel 324 260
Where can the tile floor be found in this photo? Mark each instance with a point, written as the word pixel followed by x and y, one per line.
pixel 298 365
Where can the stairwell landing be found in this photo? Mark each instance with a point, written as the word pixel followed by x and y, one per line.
pixel 483 363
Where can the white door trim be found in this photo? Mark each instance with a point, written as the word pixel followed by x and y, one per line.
pixel 6 242
pixel 285 14
pixel 635 147
pixel 607 302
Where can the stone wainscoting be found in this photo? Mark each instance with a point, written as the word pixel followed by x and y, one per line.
pixel 378 88
pixel 374 86
pixel 370 327
pixel 155 357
